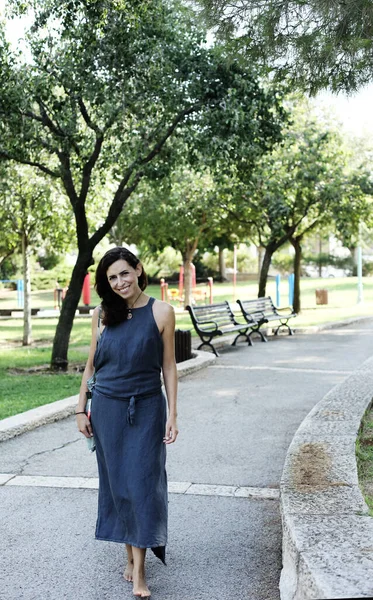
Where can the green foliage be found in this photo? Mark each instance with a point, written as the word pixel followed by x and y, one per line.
pixel 164 264
pixel 283 262
pixel 182 209
pixel 32 210
pixel 49 260
pixel 327 260
pixel 46 280
pixel 8 268
pixel 314 44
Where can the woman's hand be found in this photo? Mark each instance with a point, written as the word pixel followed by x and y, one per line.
pixel 171 431
pixel 84 425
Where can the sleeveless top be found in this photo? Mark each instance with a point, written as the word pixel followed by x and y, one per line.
pixel 129 356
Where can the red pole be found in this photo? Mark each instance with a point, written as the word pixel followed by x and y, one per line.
pixel 162 289
pixel 87 290
pixel 181 281
pixel 194 281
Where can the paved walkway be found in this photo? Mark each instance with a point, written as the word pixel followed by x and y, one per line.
pixel 237 419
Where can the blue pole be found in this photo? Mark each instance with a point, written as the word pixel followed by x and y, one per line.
pixel 20 293
pixel 278 281
pixel 291 289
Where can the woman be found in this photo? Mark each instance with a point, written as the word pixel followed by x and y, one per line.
pixel 135 336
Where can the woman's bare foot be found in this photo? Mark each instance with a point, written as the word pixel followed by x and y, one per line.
pixel 128 571
pixel 140 589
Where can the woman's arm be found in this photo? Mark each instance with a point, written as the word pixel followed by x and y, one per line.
pixel 83 423
pixel 165 318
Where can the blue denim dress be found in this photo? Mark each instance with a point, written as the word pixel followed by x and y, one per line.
pixel 128 421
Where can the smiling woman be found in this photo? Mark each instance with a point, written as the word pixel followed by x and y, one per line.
pixel 134 343
pixel 123 279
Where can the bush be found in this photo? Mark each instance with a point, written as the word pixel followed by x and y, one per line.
pixel 46 280
pixel 9 268
pixel 163 265
pixel 49 261
pixel 283 262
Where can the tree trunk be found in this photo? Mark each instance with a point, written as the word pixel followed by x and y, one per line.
pixel 297 264
pixel 260 257
pixel 188 298
pixel 269 251
pixel 69 305
pixel 320 259
pixel 222 266
pixel 27 331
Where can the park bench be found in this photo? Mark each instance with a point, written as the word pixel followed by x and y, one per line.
pixel 7 312
pixel 259 311
pixel 212 320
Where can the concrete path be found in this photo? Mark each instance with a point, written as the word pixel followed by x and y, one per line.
pixel 237 419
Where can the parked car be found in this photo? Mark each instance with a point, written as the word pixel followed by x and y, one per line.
pixel 329 271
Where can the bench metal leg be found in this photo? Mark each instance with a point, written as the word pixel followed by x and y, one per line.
pixel 262 336
pixel 291 331
pixel 249 342
pixel 204 343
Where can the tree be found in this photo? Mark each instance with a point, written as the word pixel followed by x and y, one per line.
pixel 322 44
pixel 302 185
pixel 35 214
pixel 185 214
pixel 107 85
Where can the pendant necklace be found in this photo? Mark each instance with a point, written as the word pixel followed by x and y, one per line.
pixel 129 315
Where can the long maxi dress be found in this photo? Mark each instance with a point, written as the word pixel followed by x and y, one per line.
pixel 128 422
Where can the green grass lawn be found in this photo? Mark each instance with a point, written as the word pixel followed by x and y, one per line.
pixel 18 392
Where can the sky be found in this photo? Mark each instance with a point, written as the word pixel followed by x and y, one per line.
pixel 355 112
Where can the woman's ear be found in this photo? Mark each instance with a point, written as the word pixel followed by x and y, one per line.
pixel 138 269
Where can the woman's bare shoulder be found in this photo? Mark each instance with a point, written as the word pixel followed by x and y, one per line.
pixel 163 308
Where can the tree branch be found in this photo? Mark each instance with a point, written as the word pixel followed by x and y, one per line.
pixel 88 167
pixel 68 182
pixel 3 258
pixel 87 118
pixel 56 129
pixel 46 120
pixel 158 146
pixel 7 156
pixel 119 201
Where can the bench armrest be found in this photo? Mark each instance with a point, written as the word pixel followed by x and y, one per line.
pixel 288 308
pixel 202 325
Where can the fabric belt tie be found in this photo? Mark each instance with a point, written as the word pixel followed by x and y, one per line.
pixel 131 410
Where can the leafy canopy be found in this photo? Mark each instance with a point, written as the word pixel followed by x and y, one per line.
pixel 317 44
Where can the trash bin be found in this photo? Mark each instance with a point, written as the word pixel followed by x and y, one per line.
pixel 321 296
pixel 183 345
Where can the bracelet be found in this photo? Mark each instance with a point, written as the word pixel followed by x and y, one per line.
pixel 80 413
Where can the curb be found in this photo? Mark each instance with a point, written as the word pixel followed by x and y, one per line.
pixel 327 532
pixel 60 409
pixel 332 325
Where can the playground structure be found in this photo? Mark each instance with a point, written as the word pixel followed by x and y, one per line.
pixel 291 289
pixel 199 293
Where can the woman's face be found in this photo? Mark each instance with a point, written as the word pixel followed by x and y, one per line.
pixel 122 279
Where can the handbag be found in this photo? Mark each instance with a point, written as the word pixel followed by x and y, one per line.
pixel 91 442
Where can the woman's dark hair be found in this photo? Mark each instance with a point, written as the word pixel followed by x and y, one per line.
pixel 114 307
